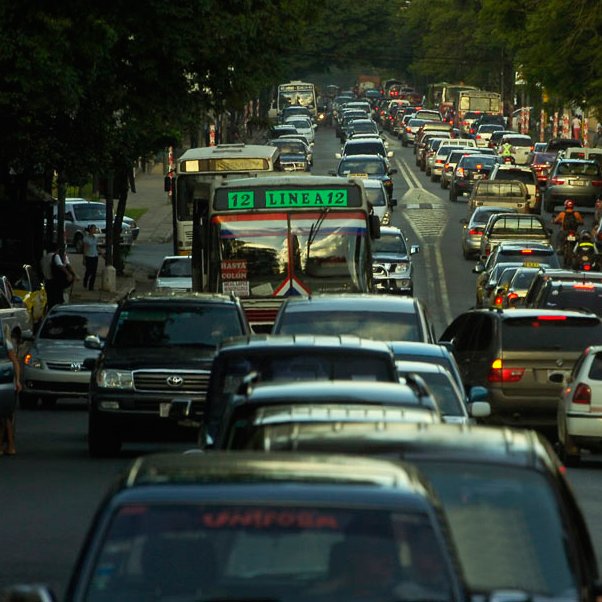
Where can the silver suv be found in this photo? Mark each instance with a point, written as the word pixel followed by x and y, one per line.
pixel 80 213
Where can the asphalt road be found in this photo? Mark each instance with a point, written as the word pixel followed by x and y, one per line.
pixel 50 490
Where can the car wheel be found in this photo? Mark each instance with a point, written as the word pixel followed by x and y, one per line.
pixel 28 401
pixel 444 184
pixel 104 439
pixel 570 458
pixel 78 243
pixel 453 195
pixel 48 401
pixel 434 177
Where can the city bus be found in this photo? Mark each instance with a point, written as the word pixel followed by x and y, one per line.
pixel 268 238
pixel 443 96
pixel 297 93
pixel 196 170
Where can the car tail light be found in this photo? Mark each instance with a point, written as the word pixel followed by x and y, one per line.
pixel 499 374
pixel 596 182
pixel 551 318
pixel 512 297
pixel 499 299
pixel 582 394
pixel 556 181
pixel 408 129
pixel 465 122
pixel 460 172
pixel 474 232
pixel 478 137
pixel 526 251
pixel 439 161
pixel 446 166
pixel 587 267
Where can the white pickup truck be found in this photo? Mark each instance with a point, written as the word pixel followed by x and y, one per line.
pixel 17 317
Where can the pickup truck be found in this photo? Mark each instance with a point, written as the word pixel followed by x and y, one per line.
pixel 16 316
pixel 499 193
pixel 511 227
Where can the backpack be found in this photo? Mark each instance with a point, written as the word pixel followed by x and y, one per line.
pixel 570 221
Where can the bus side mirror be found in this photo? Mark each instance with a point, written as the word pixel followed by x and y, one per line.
pixel 374 226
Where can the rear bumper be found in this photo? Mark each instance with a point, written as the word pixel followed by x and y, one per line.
pixel 522 411
pixel 584 428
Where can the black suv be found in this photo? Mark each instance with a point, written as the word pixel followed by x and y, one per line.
pixel 557 275
pixel 159 348
pixel 514 518
pixel 243 526
pixel 579 294
pixel 522 356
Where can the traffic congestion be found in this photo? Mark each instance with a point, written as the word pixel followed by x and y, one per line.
pixel 368 369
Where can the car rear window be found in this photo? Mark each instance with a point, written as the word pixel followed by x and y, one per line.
pixel 519 141
pixel 550 333
pixel 526 177
pixel 578 169
pixel 74 326
pixel 365 148
pixel 502 189
pixel 534 259
pixel 381 326
pixel 518 225
pixel 474 162
pixel 507 526
pixel 585 296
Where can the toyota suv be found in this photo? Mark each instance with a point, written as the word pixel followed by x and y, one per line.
pixel 158 350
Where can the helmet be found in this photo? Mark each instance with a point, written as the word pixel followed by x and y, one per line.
pixel 568 204
pixel 585 235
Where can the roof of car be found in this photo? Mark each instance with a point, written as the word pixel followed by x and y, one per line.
pixel 372 183
pixel 447 443
pixel 522 312
pixel 338 391
pixel 259 343
pixel 79 308
pixel 177 297
pixel 507 245
pixel 416 348
pixel 164 470
pixel 361 157
pixel 352 302
pixel 390 230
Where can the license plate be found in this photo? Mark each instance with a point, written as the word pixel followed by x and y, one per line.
pixel 478 176
pixel 571 237
pixel 577 183
pixel 164 409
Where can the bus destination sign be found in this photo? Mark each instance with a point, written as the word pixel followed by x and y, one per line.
pixel 288 199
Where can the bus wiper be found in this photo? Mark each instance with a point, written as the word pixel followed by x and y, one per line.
pixel 315 228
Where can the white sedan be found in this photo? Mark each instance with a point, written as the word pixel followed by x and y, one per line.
pixel 303 125
pixel 580 408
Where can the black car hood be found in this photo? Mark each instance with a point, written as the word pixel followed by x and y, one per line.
pixel 136 358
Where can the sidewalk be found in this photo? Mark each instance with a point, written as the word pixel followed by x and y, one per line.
pixel 155 227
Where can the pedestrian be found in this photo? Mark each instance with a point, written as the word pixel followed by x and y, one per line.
pixel 576 124
pixel 7 412
pixel 62 277
pixel 90 256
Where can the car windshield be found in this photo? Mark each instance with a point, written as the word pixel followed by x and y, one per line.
pixel 175 326
pixel 381 326
pixel 290 147
pixel 365 148
pixel 75 326
pixel 236 551
pixel 372 167
pixel 390 243
pixel 522 279
pixel 300 124
pixel 90 212
pixel 551 333
pixel 180 267
pixel 507 526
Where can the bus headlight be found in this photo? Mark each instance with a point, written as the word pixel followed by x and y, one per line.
pixel 115 379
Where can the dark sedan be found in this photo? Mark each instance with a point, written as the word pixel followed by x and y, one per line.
pixel 392 268
pixel 367 166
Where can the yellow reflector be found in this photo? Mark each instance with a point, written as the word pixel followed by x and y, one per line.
pixel 497 364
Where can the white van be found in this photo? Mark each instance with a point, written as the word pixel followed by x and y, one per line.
pixel 439 161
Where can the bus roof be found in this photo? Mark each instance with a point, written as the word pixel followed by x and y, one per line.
pixel 246 151
pixel 285 180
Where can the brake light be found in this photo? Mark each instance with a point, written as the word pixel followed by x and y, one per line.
pixel 460 172
pixel 498 300
pixel 478 136
pixel 526 251
pixel 582 394
pixel 439 161
pixel 551 318
pixel 474 232
pixel 446 166
pixel 512 297
pixel 557 181
pixel 408 129
pixel 499 374
pixel 596 182
pixel 587 267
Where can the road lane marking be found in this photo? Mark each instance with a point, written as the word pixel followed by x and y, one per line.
pixel 411 180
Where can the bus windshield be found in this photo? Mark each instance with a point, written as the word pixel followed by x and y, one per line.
pixel 284 253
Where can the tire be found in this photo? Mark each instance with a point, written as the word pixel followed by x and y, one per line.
pixel 453 195
pixel 28 401
pixel 444 184
pixel 78 243
pixel 104 440
pixel 48 401
pixel 434 177
pixel 569 459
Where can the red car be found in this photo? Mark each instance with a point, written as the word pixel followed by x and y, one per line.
pixel 540 163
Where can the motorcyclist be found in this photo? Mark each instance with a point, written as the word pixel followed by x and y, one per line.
pixel 584 247
pixel 569 220
pixel 506 150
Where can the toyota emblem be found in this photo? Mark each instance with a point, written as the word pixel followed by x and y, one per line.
pixel 76 366
pixel 175 381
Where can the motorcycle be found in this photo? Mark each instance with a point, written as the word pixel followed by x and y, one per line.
pixel 567 248
pixel 586 262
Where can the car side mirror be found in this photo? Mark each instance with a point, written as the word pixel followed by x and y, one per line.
pixel 414 249
pixel 390 154
pixel 479 409
pixel 337 155
pixel 478 269
pixel 92 341
pixel 449 345
pixel 478 393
